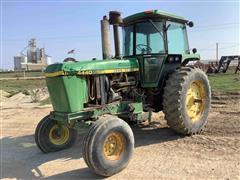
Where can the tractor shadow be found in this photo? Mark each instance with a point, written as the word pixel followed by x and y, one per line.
pixel 154 133
pixel 22 159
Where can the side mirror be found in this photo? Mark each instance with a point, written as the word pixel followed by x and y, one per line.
pixel 190 23
pixel 194 50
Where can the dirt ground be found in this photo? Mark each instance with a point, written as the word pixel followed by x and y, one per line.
pixel 159 152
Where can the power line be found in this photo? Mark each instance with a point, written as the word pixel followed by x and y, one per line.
pixel 229 47
pixel 212 29
pixel 229 42
pixel 216 25
pixel 213 49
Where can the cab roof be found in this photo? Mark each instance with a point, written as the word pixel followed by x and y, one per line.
pixel 154 14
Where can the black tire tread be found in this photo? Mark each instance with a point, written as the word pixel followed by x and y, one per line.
pixel 172 97
pixel 37 134
pixel 88 143
pixel 41 140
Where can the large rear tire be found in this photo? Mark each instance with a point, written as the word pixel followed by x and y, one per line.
pixel 108 146
pixel 186 100
pixel 51 137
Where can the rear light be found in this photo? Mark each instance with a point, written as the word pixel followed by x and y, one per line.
pixel 148 12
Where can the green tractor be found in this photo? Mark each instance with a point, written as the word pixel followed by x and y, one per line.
pixel 107 95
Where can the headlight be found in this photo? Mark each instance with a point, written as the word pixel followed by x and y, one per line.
pixel 174 59
pixel 171 59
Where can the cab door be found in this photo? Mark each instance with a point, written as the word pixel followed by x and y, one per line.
pixel 150 69
pixel 150 51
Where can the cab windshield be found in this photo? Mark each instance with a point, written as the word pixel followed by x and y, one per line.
pixel 149 39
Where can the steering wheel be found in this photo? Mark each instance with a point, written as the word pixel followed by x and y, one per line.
pixel 69 59
pixel 142 49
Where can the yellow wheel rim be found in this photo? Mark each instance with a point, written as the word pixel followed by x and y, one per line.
pixel 113 146
pixel 195 101
pixel 58 135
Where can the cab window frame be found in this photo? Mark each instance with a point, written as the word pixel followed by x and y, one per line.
pixel 163 38
pixel 134 24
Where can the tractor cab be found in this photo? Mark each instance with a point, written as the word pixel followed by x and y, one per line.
pixel 157 39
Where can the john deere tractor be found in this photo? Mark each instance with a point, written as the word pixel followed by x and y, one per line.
pixel 150 75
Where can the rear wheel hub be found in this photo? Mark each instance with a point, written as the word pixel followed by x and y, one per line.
pixel 195 101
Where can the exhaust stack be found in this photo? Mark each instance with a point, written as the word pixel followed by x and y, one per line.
pixel 115 19
pixel 105 33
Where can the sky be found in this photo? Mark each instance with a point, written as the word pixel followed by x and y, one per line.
pixel 61 26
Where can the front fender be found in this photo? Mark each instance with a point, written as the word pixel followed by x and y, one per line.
pixel 189 57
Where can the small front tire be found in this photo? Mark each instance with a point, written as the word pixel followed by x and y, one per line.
pixel 108 146
pixel 51 136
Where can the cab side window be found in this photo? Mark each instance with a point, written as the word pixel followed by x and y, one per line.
pixel 177 38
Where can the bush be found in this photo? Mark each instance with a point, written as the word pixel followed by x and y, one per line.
pixel 35 96
pixel 26 92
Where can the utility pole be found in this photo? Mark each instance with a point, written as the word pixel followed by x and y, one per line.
pixel 216 51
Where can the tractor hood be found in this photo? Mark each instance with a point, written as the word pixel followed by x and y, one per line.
pixel 92 67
